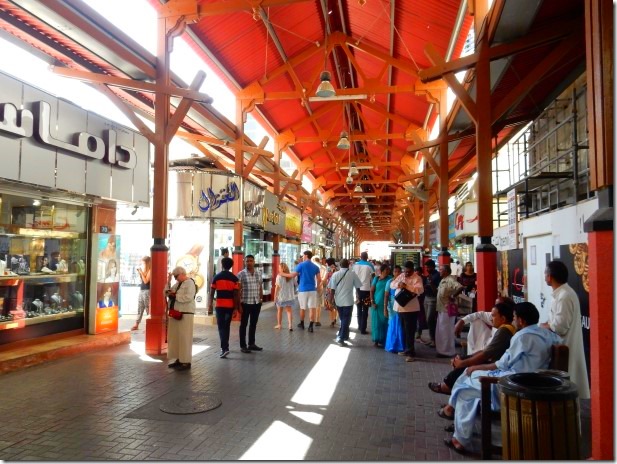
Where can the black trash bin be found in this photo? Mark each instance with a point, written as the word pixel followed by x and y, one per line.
pixel 540 416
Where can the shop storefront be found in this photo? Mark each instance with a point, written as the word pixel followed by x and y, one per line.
pixel 208 201
pixel 289 245
pixel 59 257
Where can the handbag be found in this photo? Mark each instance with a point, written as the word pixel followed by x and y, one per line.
pixel 174 313
pixel 452 309
pixel 404 297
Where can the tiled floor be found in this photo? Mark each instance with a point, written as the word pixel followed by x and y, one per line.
pixel 303 397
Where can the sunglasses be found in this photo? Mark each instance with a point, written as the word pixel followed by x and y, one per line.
pixel 175 276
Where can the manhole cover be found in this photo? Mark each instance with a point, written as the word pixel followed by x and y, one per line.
pixel 190 404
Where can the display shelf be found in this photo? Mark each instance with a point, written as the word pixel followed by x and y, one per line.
pixel 25 321
pixel 40 278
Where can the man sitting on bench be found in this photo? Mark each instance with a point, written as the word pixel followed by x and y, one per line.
pixel 530 349
pixel 502 314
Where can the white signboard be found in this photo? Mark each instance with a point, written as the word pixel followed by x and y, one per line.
pixel 512 220
pixel 466 219
pixel 49 142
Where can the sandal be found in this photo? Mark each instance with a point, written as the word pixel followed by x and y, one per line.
pixel 436 387
pixel 277 326
pixel 442 413
pixel 453 443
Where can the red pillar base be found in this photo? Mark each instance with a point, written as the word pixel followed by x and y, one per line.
pixel 486 269
pixel 156 330
pixel 602 357
pixel 238 257
pixel 444 257
pixel 276 262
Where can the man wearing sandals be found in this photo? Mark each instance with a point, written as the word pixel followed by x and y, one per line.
pixel 530 349
pixel 501 314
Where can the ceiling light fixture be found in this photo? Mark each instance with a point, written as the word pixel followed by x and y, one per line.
pixel 349 180
pixel 343 143
pixel 353 170
pixel 358 189
pixel 363 201
pixel 325 88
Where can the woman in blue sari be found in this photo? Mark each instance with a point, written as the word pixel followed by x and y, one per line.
pixel 379 313
pixel 394 337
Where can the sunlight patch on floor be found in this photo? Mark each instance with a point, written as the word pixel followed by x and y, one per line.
pixel 310 417
pixel 319 385
pixel 279 442
pixel 140 349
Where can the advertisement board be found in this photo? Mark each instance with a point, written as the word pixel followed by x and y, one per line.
pixel 105 300
pixel 466 219
pixel 293 221
pixel 307 229
pixel 273 214
pixel 253 197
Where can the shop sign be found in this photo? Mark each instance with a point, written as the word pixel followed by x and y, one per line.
pixel 273 214
pixel 433 236
pixel 253 204
pixel 49 142
pixel 451 230
pixel 466 219
pixel 512 220
pixel 329 238
pixel 208 195
pixel 293 221
pixel 307 229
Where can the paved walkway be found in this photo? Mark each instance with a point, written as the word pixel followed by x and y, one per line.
pixel 302 397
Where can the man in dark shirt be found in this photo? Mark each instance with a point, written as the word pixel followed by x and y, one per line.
pixel 502 314
pixel 226 286
pixel 431 282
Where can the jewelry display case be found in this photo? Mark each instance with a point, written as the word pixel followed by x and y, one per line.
pixel 43 249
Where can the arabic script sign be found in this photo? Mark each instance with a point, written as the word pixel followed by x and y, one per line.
pixel 208 195
pixel 49 142
pixel 212 201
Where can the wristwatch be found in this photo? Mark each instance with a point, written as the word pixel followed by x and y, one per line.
pixel 190 262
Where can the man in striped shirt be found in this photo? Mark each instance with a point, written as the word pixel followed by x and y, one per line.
pixel 251 296
pixel 226 285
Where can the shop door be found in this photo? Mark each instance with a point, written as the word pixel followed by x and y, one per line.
pixel 539 252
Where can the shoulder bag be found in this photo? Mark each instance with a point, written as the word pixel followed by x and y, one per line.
pixel 404 296
pixel 333 291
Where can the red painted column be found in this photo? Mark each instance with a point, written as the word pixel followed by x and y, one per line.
pixel 156 335
pixel 602 362
pixel 486 270
pixel 444 257
pixel 156 327
pixel 238 252
pixel 602 319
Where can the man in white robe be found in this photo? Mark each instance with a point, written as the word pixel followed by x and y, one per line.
pixel 530 349
pixel 565 320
